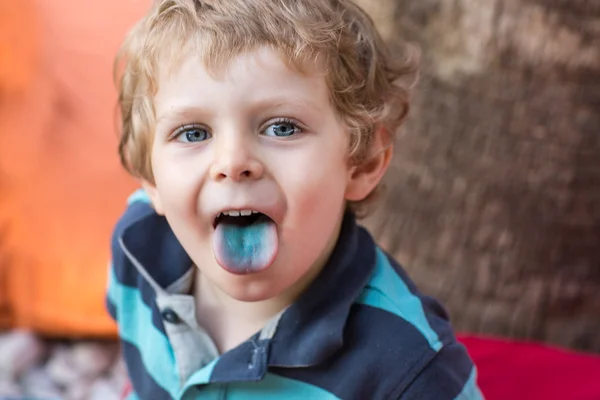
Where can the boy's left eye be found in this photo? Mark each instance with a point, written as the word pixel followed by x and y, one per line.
pixel 282 129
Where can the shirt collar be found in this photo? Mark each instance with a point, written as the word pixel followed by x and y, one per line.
pixel 312 328
pixel 151 244
pixel 309 330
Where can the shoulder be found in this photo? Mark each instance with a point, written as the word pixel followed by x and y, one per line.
pixel 123 276
pixel 407 338
pixel 450 375
pixel 137 209
pixel 393 299
pixel 138 206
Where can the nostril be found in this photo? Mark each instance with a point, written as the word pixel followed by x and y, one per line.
pixel 224 170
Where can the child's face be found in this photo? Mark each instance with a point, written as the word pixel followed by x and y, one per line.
pixel 258 137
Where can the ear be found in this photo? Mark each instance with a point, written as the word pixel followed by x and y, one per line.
pixel 365 177
pixel 152 192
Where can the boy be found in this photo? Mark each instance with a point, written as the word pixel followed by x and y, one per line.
pixel 258 128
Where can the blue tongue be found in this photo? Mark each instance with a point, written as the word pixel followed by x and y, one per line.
pixel 243 249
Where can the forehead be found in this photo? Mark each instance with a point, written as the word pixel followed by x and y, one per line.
pixel 259 75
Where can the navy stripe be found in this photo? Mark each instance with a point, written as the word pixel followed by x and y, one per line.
pixel 155 248
pixel 381 352
pixel 152 242
pixel 135 327
pixel 149 238
pixel 247 362
pixel 144 386
pixel 470 390
pixel 436 314
pixel 111 308
pixel 134 213
pixel 450 371
pixel 387 291
pixel 126 273
pixel 141 218
pixel 312 328
pixel 147 294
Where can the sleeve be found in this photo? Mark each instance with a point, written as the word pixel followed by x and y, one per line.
pixel 129 393
pixel 450 375
pixel 132 396
pixel 118 265
pixel 110 298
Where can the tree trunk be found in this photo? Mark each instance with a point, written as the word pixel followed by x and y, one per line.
pixel 493 201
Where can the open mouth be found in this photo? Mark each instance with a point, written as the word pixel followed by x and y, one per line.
pixel 245 241
pixel 240 218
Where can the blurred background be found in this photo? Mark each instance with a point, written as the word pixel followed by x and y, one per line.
pixel 494 197
pixel 492 203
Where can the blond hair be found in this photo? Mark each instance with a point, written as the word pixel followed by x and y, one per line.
pixel 362 77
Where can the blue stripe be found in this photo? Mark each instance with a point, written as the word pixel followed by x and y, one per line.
pixel 387 291
pixel 135 327
pixel 470 391
pixel 144 386
pixel 139 195
pixel 112 309
pixel 272 387
pixel 275 387
pixel 200 377
pixel 132 396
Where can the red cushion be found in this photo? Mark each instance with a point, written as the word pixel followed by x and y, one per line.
pixel 522 370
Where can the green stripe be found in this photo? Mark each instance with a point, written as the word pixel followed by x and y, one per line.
pixel 136 327
pixel 200 377
pixel 132 396
pixel 387 291
pixel 139 195
pixel 272 387
pixel 470 390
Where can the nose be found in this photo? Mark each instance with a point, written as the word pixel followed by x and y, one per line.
pixel 235 159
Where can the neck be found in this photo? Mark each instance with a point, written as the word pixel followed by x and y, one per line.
pixel 212 299
pixel 227 320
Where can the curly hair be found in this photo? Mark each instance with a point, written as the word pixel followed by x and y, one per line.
pixel 363 78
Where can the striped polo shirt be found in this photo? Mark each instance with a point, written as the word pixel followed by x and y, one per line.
pixel 361 330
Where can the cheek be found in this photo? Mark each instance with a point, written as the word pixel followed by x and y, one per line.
pixel 175 179
pixel 316 185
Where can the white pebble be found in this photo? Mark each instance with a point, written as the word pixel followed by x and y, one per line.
pixel 103 389
pixel 118 374
pixel 78 390
pixel 61 369
pixel 93 359
pixel 80 370
pixel 20 350
pixel 9 389
pixel 36 383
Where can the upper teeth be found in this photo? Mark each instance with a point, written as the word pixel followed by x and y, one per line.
pixel 236 213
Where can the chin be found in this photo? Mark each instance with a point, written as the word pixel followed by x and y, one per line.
pixel 250 292
pixel 252 296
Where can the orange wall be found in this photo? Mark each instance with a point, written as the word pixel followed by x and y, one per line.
pixel 61 186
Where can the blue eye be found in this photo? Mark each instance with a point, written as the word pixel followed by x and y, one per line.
pixel 192 134
pixel 282 128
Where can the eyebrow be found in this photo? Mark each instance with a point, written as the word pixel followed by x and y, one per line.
pixel 182 111
pixel 185 110
pixel 283 102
